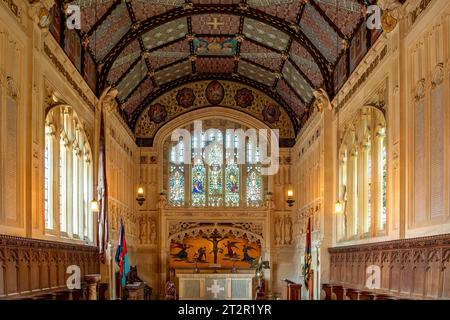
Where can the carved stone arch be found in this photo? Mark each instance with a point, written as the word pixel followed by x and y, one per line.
pixel 204 114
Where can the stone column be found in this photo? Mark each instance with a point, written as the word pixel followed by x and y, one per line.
pixel 92 281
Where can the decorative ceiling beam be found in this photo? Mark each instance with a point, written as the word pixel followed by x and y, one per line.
pixel 328 20
pixel 134 117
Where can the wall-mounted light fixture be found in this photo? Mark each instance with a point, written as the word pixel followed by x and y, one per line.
pixel 140 191
pixel 140 196
pixel 290 197
pixel 94 206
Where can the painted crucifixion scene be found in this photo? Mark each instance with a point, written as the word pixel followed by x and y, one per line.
pixel 214 250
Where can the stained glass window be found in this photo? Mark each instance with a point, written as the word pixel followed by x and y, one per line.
pixel 384 185
pixel 254 179
pixel 62 185
pixel 214 176
pixel 48 190
pixel 176 171
pixel 215 183
pixel 254 184
pixel 369 187
pixel 198 195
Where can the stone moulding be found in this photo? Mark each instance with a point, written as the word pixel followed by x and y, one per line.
pixel 403 244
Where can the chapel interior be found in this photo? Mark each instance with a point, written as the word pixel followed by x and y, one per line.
pixel 131 120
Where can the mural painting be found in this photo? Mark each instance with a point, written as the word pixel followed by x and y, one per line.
pixel 216 250
pixel 157 113
pixel 215 92
pixel 271 113
pixel 244 97
pixel 215 46
pixel 185 97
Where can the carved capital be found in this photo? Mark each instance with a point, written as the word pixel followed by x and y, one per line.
pixel 11 88
pixel 438 76
pixel 322 100
pixel 107 99
pixel 419 93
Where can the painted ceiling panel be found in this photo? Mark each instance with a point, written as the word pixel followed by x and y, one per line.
pixel 320 33
pixel 137 96
pixel 110 31
pixel 214 65
pixel 260 55
pixel 124 61
pixel 284 9
pixel 211 37
pixel 92 11
pixel 145 9
pixel 297 82
pixel 173 72
pixel 290 97
pixel 215 24
pixel 131 80
pixel 169 54
pixel 165 33
pixel 266 34
pixel 346 15
pixel 256 73
pixel 215 46
pixel 303 59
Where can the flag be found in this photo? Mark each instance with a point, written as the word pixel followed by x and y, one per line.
pixel 308 257
pixel 102 195
pixel 122 255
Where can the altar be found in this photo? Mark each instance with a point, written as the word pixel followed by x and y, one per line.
pixel 215 286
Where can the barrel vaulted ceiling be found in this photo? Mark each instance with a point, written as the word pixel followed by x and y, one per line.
pixel 285 48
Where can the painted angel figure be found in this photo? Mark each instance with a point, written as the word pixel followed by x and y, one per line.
pixel 198 185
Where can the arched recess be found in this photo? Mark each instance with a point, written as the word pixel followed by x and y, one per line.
pixel 68 175
pixel 205 114
pixel 363 174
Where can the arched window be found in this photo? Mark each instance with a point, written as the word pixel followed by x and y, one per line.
pixel 363 176
pixel 48 175
pixel 68 175
pixel 216 176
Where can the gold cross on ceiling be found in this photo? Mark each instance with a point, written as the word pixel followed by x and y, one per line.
pixel 215 23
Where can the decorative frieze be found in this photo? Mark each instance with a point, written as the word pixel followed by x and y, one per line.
pixel 60 67
pixel 415 13
pixel 178 230
pixel 15 9
pixel 363 78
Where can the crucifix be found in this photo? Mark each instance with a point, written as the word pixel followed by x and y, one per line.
pixel 215 238
pixel 215 24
